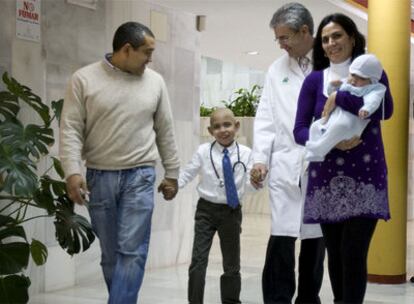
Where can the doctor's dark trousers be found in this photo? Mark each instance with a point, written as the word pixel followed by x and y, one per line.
pixel 209 218
pixel 278 280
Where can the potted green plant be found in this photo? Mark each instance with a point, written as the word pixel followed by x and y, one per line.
pixel 22 187
pixel 243 102
pixel 205 111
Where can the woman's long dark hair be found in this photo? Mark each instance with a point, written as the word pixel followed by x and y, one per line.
pixel 320 61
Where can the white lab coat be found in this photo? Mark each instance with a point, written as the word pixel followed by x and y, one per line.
pixel 275 146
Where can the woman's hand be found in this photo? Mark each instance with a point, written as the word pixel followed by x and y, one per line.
pixel 348 144
pixel 329 105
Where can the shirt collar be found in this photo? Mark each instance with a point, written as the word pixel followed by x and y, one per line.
pixel 230 148
pixel 308 55
pixel 107 60
pixel 341 69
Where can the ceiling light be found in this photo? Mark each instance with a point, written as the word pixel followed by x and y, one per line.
pixel 252 53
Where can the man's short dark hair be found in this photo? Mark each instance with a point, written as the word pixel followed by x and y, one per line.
pixel 130 32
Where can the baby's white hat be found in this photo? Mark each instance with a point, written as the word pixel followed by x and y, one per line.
pixel 367 66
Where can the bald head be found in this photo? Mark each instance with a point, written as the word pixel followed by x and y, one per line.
pixel 221 113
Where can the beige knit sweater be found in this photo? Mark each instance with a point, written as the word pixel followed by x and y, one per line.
pixel 115 120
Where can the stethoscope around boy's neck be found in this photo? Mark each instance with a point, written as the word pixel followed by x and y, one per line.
pixel 238 162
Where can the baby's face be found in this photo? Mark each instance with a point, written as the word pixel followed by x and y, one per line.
pixel 358 81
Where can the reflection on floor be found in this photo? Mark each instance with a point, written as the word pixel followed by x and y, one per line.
pixel 169 285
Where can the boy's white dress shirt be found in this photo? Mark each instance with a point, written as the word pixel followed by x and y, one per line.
pixel 209 187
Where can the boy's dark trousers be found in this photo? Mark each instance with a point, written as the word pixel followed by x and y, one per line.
pixel 209 218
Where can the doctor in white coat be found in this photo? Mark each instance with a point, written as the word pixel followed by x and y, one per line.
pixel 275 152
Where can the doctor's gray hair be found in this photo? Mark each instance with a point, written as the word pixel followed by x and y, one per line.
pixel 294 15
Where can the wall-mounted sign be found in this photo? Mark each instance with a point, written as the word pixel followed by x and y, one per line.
pixel 28 19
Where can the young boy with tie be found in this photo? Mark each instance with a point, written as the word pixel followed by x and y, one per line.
pixel 224 167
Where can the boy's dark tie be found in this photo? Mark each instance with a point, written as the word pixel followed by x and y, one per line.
pixel 231 191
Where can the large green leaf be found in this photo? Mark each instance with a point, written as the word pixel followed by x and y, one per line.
pixel 20 178
pixel 58 167
pixel 44 199
pixel 9 105
pixel 14 257
pixel 32 138
pixel 15 231
pixel 6 220
pixel 57 107
pixel 58 186
pixel 72 228
pixel 26 94
pixel 14 289
pixel 44 196
pixel 39 252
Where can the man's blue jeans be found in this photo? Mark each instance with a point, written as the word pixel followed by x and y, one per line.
pixel 120 207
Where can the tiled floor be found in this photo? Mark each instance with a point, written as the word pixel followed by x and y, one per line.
pixel 168 285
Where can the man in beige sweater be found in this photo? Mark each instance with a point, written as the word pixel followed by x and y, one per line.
pixel 117 117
